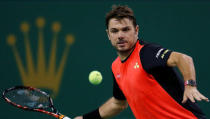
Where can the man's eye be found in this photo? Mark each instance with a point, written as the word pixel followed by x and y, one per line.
pixel 114 31
pixel 125 29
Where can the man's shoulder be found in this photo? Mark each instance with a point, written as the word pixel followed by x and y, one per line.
pixel 116 61
pixel 150 46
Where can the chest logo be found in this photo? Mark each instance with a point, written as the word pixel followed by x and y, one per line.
pixel 118 76
pixel 136 66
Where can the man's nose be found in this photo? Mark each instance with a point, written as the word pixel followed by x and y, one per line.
pixel 121 35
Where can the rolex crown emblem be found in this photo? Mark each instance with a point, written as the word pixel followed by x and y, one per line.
pixel 37 71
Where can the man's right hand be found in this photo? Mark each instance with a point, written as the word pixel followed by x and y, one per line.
pixel 79 117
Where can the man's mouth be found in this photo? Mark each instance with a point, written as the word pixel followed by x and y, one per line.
pixel 121 42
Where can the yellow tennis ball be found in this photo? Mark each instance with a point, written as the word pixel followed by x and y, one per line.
pixel 95 77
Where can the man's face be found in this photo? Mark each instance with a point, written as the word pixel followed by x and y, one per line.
pixel 122 34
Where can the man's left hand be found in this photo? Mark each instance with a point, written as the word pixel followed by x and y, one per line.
pixel 193 94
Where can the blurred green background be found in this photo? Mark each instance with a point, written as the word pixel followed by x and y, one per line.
pixel 183 26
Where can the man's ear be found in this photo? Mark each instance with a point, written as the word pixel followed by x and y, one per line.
pixel 107 32
pixel 137 31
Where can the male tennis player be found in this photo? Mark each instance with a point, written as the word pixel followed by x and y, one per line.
pixel 144 76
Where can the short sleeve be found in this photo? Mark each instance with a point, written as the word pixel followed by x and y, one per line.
pixel 154 56
pixel 117 93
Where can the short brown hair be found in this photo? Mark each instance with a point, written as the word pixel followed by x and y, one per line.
pixel 119 12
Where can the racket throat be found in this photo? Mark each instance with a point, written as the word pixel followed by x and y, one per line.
pixel 61 116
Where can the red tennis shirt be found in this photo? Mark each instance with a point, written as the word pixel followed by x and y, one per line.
pixel 151 88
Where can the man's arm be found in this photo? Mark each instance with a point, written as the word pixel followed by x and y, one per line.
pixel 111 108
pixel 186 66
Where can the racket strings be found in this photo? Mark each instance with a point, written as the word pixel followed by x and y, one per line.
pixel 28 98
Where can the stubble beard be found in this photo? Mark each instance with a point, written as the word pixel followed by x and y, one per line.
pixel 125 51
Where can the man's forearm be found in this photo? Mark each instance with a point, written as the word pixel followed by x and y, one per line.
pixel 112 107
pixel 184 63
pixel 186 66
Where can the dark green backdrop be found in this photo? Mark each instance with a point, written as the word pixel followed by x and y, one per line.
pixel 179 26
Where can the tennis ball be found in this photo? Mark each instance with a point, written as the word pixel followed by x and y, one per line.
pixel 95 77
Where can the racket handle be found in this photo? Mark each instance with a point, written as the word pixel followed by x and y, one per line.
pixel 63 117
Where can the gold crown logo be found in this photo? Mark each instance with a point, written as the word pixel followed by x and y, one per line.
pixel 45 74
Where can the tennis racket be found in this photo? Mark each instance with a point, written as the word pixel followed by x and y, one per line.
pixel 32 99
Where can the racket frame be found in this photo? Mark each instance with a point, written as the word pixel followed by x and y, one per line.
pixel 54 112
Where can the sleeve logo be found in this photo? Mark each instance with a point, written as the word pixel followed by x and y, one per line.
pixel 163 55
pixel 158 53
